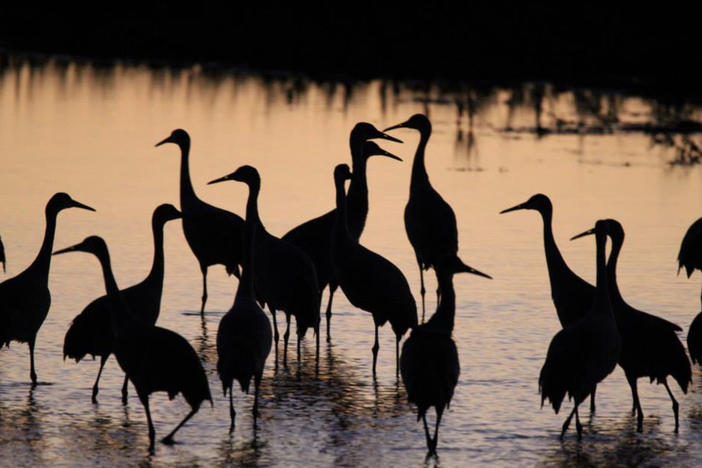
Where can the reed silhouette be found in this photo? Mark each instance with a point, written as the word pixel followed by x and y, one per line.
pixel 572 296
pixel 25 299
pixel 91 332
pixel 155 359
pixel 429 221
pixel 284 276
pixel 650 346
pixel 429 361
pixel 585 352
pixel 369 281
pixel 214 235
pixel 314 236
pixel 244 334
pixel 2 256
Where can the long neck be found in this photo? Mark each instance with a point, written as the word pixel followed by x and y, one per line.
pixel 444 317
pixel 43 260
pixel 119 318
pixel 554 260
pixel 156 273
pixel 246 288
pixel 341 229
pixel 187 193
pixel 419 171
pixel 615 295
pixel 602 301
pixel 357 197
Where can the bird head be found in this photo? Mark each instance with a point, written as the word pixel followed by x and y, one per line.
pixel 363 131
pixel 538 202
pixel 166 212
pixel 614 230
pixel 178 136
pixel 419 122
pixel 452 264
pixel 247 174
pixel 370 148
pixel 600 229
pixel 342 173
pixel 61 201
pixel 92 244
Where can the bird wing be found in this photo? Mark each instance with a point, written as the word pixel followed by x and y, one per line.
pixel 431 226
pixel 690 254
pixel 314 238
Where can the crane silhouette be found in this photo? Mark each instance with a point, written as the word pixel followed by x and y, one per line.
pixel 583 353
pixel 244 334
pixel 314 236
pixel 91 332
pixel 572 296
pixel 690 257
pixel 369 281
pixel 284 277
pixel 429 361
pixel 155 359
pixel 429 220
pixel 214 235
pixel 650 346
pixel 25 299
pixel 2 256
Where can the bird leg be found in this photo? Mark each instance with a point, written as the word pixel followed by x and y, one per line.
pixel 675 404
pixel 426 433
pixel 168 440
pixel 152 432
pixel 276 337
pixel 257 385
pixel 103 359
pixel 125 390
pixel 435 441
pixel 566 423
pixel 32 372
pixel 637 403
pixel 204 290
pixel 332 289
pixel 578 426
pixel 375 348
pixel 397 356
pixel 422 291
pixel 592 399
pixel 232 412
pixel 286 336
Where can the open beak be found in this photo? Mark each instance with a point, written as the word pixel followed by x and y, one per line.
pixel 385 136
pixel 72 248
pixel 221 179
pixel 583 234
pixel 165 140
pixel 521 206
pixel 80 205
pixel 382 152
pixel 401 125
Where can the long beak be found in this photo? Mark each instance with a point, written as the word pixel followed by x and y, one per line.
pixel 165 140
pixel 521 206
pixel 388 154
pixel 72 248
pixel 583 234
pixel 385 136
pixel 221 179
pixel 469 269
pixel 80 205
pixel 401 125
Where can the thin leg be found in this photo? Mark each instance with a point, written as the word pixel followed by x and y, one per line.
pixel 435 442
pixel 578 426
pixel 637 403
pixel 675 404
pixel 103 359
pixel 375 348
pixel 276 337
pixel 422 291
pixel 426 433
pixel 168 440
pixel 125 390
pixel 152 432
pixel 397 356
pixel 232 412
pixel 316 332
pixel 32 372
pixel 286 336
pixel 332 289
pixel 204 290
pixel 592 399
pixel 566 423
pixel 257 385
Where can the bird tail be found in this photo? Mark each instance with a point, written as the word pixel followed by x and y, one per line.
pixel 679 365
pixel 79 339
pixel 552 386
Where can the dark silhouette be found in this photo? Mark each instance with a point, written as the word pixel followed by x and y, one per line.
pixel 369 281
pixel 25 299
pixel 583 353
pixel 214 235
pixel 571 294
pixel 690 257
pixel 650 347
pixel 284 277
pixel 244 335
pixel 314 236
pixel 429 221
pixel 154 359
pixel 2 256
pixel 429 360
pixel 91 332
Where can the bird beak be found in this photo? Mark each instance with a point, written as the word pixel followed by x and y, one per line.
pixel 72 248
pixel 469 269
pixel 521 206
pixel 382 152
pixel 402 125
pixel 583 234
pixel 166 140
pixel 82 206
pixel 221 179
pixel 385 136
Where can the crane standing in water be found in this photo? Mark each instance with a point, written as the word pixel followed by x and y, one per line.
pixel 91 333
pixel 244 334
pixel 429 361
pixel 214 235
pixel 25 299
pixel 314 236
pixel 284 277
pixel 582 354
pixel 155 359
pixel 369 281
pixel 572 296
pixel 690 257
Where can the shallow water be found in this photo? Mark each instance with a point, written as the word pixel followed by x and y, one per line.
pixel 90 132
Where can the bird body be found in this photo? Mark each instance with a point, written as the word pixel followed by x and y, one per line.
pixel 154 358
pixel 25 299
pixel 214 235
pixel 690 254
pixel 369 281
pixel 582 354
pixel 91 331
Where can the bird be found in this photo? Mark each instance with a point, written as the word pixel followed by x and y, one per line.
pixel 369 281
pixel 25 299
pixel 429 220
pixel 214 235
pixel 285 278
pixel 690 257
pixel 583 353
pixel 155 359
pixel 2 256
pixel 314 236
pixel 244 335
pixel 91 333
pixel 429 361
pixel 650 346
pixel 572 296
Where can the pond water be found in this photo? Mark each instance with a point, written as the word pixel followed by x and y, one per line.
pixel 90 131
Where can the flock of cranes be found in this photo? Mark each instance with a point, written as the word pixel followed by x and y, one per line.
pixel 288 274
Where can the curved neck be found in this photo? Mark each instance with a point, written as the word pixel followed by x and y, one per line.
pixel 357 197
pixel 157 266
pixel 246 287
pixel 602 303
pixel 419 171
pixel 612 269
pixel 118 311
pixel 444 317
pixel 187 193
pixel 341 228
pixel 554 260
pixel 43 260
